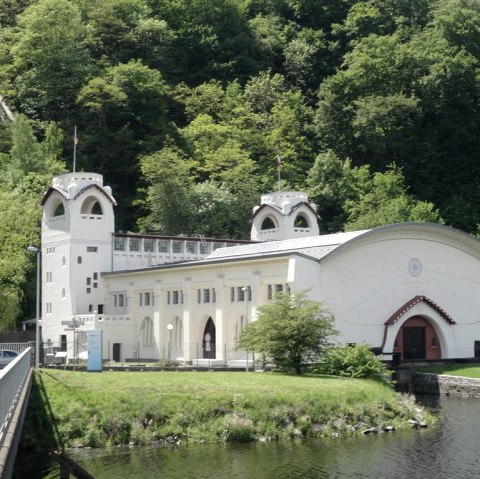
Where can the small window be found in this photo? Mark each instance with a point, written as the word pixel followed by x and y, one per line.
pixel 177 247
pixel 134 244
pixel 64 261
pixel 89 290
pixel 100 309
pixel 148 245
pixel 95 276
pixel 214 295
pixel 63 292
pixel 95 285
pixel 240 293
pixel 169 298
pixel 163 246
pixel 206 295
pixel 90 308
pixel 191 247
pixel 121 300
pixel 199 296
pixel 92 249
pixel 269 292
pixel 232 295
pixel 89 280
pixel 79 260
pixel 175 297
pixel 119 244
pixel 147 299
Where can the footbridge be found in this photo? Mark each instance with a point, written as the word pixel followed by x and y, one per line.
pixel 15 384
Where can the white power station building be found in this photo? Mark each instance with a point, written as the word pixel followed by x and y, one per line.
pixel 409 288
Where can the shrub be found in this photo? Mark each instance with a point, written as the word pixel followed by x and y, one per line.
pixel 238 429
pixel 352 361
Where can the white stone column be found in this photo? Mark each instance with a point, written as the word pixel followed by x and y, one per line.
pixel 189 339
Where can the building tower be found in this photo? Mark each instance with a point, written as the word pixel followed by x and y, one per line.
pixel 77 228
pixel 284 215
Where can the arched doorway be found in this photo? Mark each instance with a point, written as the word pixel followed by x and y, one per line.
pixel 208 340
pixel 417 339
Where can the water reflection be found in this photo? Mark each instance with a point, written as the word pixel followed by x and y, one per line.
pixel 448 451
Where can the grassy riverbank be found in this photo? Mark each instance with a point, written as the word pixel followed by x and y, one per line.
pixel 111 408
pixel 463 370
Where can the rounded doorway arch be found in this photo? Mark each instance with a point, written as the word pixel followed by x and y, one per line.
pixel 208 340
pixel 417 338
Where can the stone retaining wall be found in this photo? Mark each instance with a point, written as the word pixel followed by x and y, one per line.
pixel 427 383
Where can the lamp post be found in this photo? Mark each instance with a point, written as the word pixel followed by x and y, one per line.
pixel 245 296
pixel 170 329
pixel 37 251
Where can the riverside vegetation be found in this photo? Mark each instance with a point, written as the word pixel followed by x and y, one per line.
pixel 81 409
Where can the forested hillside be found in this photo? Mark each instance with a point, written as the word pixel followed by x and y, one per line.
pixel 184 106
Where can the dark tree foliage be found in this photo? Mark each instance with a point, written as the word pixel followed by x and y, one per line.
pixel 372 106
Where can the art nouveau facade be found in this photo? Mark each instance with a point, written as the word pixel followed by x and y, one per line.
pixel 410 288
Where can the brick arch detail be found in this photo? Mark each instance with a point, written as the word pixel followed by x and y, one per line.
pixel 400 312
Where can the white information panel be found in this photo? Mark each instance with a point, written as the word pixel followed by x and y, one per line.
pixel 94 346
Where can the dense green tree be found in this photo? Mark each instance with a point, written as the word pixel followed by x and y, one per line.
pixel 386 201
pixel 331 183
pixel 399 98
pixel 28 169
pixel 292 330
pixel 127 107
pixel 50 58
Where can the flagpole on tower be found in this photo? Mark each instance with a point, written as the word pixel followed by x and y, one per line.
pixel 75 142
pixel 279 167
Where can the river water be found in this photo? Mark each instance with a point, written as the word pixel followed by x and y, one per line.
pixel 449 450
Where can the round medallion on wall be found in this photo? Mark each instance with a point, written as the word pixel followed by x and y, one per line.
pixel 415 267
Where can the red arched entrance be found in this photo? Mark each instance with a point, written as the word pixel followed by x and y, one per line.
pixel 417 339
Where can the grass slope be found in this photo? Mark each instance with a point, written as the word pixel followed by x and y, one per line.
pixel 466 371
pixel 112 408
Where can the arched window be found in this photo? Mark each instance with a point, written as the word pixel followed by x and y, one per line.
pixel 59 209
pixel 241 323
pixel 91 206
pixel 268 224
pixel 178 333
pixel 146 332
pixel 301 221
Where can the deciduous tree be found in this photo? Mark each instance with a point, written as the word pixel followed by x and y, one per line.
pixel 292 330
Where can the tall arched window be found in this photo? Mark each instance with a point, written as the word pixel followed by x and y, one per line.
pixel 91 206
pixel 178 333
pixel 59 209
pixel 301 221
pixel 268 224
pixel 146 332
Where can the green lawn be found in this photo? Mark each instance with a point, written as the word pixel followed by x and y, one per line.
pixel 109 408
pixel 464 370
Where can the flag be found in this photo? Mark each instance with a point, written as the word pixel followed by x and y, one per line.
pixel 278 162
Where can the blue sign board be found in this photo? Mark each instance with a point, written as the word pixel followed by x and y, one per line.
pixel 94 347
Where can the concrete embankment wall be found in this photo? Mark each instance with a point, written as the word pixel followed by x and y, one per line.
pixel 427 383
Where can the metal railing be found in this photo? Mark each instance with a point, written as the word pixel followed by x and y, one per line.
pixel 19 347
pixel 12 380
